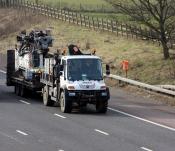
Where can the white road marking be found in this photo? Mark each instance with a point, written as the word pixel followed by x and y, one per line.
pixel 102 132
pixel 23 133
pixel 60 150
pixel 60 116
pixel 11 137
pixel 24 102
pixel 142 119
pixel 144 148
pixel 3 71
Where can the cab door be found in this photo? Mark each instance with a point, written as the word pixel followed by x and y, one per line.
pixel 63 75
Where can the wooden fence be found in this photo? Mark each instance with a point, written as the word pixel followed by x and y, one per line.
pixel 113 26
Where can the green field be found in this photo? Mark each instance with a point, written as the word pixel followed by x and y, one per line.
pixel 77 4
pixel 86 2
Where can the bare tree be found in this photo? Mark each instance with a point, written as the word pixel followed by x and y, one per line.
pixel 157 15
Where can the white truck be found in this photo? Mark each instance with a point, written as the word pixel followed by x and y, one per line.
pixel 75 81
pixel 69 80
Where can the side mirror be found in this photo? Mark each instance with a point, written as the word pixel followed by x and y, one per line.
pixel 108 70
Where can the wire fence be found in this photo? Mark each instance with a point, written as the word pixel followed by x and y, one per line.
pixel 106 25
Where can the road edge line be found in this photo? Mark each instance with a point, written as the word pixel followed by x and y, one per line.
pixel 142 119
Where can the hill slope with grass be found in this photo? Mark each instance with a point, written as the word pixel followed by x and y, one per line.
pixel 72 2
pixel 145 59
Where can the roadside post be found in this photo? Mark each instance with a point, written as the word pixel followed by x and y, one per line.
pixel 125 67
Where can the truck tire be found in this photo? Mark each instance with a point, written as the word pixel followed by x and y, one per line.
pixel 102 106
pixel 22 91
pixel 65 104
pixel 46 98
pixel 10 66
pixel 17 89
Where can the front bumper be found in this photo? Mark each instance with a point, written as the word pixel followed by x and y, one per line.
pixel 89 96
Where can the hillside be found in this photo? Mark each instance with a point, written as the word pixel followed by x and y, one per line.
pixel 80 4
pixel 146 59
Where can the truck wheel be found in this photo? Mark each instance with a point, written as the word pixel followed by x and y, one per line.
pixel 22 92
pixel 65 104
pixel 101 106
pixel 17 90
pixel 46 98
pixel 10 66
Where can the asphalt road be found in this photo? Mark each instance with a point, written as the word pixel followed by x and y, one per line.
pixel 131 124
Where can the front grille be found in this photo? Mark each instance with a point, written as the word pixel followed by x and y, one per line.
pixel 87 94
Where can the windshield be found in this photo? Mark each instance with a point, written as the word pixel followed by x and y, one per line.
pixel 84 69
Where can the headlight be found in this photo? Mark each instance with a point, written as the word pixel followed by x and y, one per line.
pixel 71 88
pixel 103 87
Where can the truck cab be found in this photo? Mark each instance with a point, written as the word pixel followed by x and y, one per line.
pixel 78 81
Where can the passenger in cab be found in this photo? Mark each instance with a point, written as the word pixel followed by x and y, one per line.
pixel 74 50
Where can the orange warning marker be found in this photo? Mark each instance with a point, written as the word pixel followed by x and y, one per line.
pixel 125 66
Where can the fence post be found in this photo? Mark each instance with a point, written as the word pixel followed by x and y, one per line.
pixel 136 31
pixel 126 26
pixel 112 26
pixel 102 23
pixel 48 12
pixel 140 32
pixel 93 23
pixel 122 28
pixel 151 35
pixel 73 18
pixel 116 27
pixel 37 8
pixel 33 8
pixel 68 16
pixel 51 12
pixel 29 6
pixel 84 21
pixel 98 24
pixel 58 13
pixel 80 19
pixel 130 27
pixel 44 10
pixel 62 15
pixel 107 25
pixel 65 18
pixel 54 11
pixel 89 22
pixel 77 18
